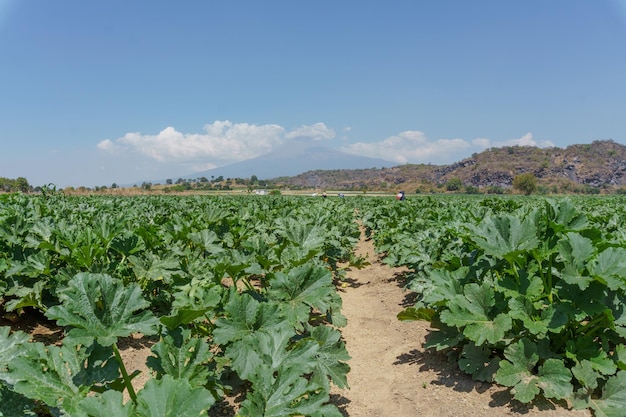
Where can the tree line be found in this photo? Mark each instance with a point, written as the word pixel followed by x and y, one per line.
pixel 13 185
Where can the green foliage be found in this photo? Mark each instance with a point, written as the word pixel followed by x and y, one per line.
pixel 167 397
pixel 13 403
pixel 525 292
pixel 303 289
pixel 454 184
pixel 100 308
pixel 13 185
pixel 525 183
pixel 552 378
pixel 107 268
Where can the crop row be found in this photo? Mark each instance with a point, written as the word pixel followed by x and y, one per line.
pixel 238 290
pixel 239 293
pixel 529 293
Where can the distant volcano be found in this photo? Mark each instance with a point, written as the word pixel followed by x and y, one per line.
pixel 292 158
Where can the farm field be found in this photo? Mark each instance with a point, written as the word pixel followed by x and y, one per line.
pixel 274 306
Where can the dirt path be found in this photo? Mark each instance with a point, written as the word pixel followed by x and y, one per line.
pixel 392 376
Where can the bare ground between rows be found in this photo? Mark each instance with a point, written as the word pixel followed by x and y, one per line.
pixel 392 375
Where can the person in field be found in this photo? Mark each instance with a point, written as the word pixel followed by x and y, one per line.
pixel 400 196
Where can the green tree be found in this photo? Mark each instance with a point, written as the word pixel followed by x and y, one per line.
pixel 21 184
pixel 454 184
pixel 525 183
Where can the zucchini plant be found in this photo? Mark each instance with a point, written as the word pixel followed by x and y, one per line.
pixel 535 301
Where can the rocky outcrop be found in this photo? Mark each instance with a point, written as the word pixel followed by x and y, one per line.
pixel 599 164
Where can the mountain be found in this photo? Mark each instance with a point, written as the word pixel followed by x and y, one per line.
pixel 577 168
pixel 292 158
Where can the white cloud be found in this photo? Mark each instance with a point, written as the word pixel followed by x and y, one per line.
pixel 221 142
pixel 526 140
pixel 482 143
pixel 318 131
pixel 413 146
pixel 224 142
pixel 106 145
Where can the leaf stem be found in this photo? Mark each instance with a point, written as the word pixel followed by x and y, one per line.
pixel 127 382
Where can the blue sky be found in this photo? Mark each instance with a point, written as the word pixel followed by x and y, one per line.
pixel 93 93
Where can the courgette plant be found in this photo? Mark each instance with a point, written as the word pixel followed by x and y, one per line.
pixel 535 301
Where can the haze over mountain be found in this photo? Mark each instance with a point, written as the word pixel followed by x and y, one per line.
pixel 292 158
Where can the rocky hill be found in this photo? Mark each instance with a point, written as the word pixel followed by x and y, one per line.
pixel 601 164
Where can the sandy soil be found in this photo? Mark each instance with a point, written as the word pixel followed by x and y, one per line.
pixel 392 375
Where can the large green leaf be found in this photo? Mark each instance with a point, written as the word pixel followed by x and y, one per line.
pixel 199 294
pixel 277 352
pixel 245 356
pixel 182 356
pixel 245 315
pixel 444 285
pixel 555 380
pixel 285 395
pixel 26 296
pixel 169 397
pixel 479 362
pixel 302 289
pixel 472 310
pixel 127 243
pixel 271 349
pixel 610 267
pixel 246 318
pixel 14 404
pixel 207 240
pixel 155 267
pixel 587 349
pixel 575 251
pixel 517 371
pixel 330 358
pixel 48 374
pixel 109 404
pixel 538 322
pixel 100 307
pixel 521 358
pixel 611 402
pixel 504 235
pixel 565 216
pixel 444 337
pixel 586 375
pixel 12 346
pixel 183 316
pixel 307 236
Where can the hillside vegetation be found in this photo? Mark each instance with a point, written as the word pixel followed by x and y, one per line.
pixel 587 168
